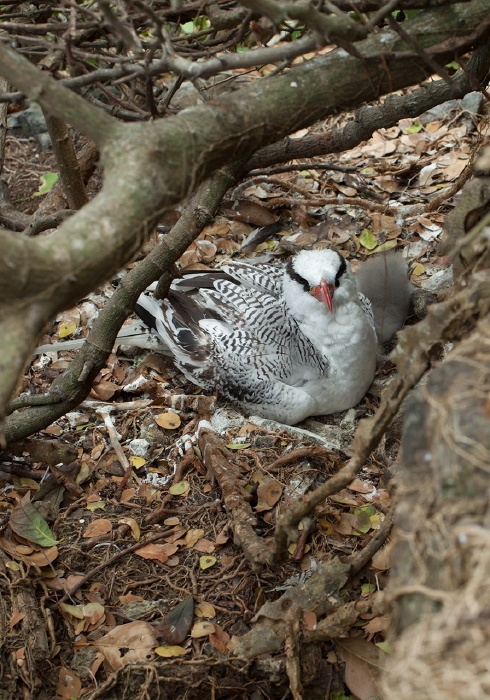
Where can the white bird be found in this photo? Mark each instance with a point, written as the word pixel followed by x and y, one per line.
pixel 281 342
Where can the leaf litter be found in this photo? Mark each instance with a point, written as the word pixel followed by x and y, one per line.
pixel 191 586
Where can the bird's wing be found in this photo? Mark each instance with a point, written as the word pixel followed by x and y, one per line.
pixel 267 319
pixel 261 277
pixel 259 376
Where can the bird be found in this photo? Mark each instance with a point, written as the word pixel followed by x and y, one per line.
pixel 283 342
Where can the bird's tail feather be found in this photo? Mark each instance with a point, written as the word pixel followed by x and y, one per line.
pixel 133 334
pixel 383 279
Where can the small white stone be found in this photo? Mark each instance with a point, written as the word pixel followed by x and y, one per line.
pixel 139 447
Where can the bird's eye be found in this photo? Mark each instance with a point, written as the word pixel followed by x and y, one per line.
pixel 297 278
pixel 340 272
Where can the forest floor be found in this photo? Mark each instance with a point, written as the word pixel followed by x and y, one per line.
pixel 133 473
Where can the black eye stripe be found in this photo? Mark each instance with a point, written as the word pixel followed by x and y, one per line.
pixel 342 269
pixel 297 278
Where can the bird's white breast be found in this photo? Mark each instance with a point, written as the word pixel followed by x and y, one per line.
pixel 347 338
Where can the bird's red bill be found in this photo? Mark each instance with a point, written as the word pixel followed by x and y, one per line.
pixel 324 293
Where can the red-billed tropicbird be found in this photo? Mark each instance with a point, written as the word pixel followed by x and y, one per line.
pixel 280 342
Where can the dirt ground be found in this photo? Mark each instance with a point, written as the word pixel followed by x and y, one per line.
pixel 139 588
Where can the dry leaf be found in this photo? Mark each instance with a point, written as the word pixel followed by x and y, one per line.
pixel 169 548
pixel 309 620
pixel 202 629
pixel 129 598
pixel 204 609
pixel 153 551
pixel 205 546
pixel 42 558
pixel 268 494
pixel 104 390
pixel 135 528
pixel 192 536
pixel 362 663
pixel 377 624
pixel 360 486
pixel 69 684
pixel 94 613
pixel 381 559
pixel 250 212
pixel 220 639
pixel 169 420
pixel 15 618
pixel 169 651
pixel 101 526
pixel 131 643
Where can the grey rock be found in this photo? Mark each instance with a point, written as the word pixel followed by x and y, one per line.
pixel 440 282
pixel 471 103
pixel 30 123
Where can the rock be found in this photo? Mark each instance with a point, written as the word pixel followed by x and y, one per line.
pixel 30 123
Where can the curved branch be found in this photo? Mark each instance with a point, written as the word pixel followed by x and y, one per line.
pixel 149 167
pixel 74 385
pixel 53 97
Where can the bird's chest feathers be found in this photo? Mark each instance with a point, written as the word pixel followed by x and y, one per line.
pixel 348 340
pixel 345 330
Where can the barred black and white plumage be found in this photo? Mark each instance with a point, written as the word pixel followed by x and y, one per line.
pixel 264 339
pixel 280 341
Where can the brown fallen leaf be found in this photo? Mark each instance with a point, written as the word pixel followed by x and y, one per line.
pixel 220 639
pixel 204 609
pixel 101 526
pixel 176 625
pixel 250 212
pixel 204 545
pixel 377 624
pixel 69 684
pixel 363 661
pixel 15 618
pixel 202 628
pixel 125 644
pixel 152 551
pixel 168 420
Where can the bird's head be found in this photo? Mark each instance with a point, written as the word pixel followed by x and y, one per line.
pixel 319 273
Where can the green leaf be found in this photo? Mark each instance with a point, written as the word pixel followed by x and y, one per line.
pixel 188 27
pixel 363 521
pixel 47 180
pixel 95 506
pixel 384 646
pixel 384 246
pixel 26 521
pixel 368 508
pixel 367 589
pixel 368 240
pixel 415 128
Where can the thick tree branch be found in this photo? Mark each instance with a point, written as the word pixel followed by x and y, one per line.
pixel 53 97
pixel 149 167
pixel 69 390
